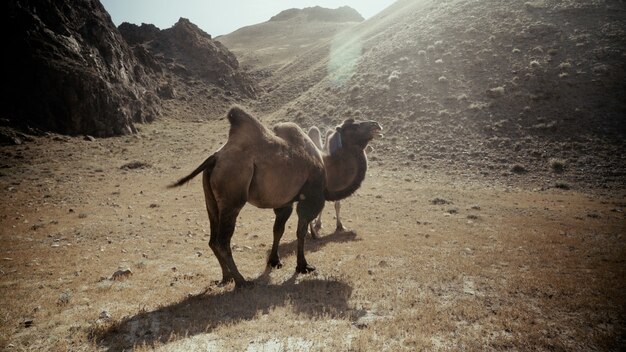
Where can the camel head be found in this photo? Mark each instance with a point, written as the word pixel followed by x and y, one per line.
pixel 358 133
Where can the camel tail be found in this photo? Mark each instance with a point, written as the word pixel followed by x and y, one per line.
pixel 207 165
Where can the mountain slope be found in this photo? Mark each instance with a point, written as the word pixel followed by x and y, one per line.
pixel 489 84
pixel 269 45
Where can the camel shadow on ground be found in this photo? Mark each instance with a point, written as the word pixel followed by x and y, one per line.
pixel 202 313
pixel 315 244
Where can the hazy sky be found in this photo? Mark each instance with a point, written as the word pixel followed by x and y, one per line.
pixel 222 17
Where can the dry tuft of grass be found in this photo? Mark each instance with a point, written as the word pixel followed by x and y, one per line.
pixel 557 165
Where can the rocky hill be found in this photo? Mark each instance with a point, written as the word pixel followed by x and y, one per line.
pixel 267 46
pixel 317 13
pixel 203 76
pixel 486 87
pixel 188 52
pixel 71 71
pixel 68 70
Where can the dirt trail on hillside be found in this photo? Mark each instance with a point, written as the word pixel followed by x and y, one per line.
pixel 435 260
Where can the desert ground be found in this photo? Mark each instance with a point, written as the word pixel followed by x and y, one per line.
pixel 491 217
pixel 98 255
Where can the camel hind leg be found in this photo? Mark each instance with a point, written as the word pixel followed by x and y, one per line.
pixel 213 210
pixel 223 217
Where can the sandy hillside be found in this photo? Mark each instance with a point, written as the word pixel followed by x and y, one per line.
pixel 491 217
pixel 267 46
pixel 489 86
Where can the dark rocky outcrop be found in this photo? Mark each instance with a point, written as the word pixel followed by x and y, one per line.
pixel 186 51
pixel 135 34
pixel 317 13
pixel 67 69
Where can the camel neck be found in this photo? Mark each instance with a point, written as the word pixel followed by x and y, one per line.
pixel 345 171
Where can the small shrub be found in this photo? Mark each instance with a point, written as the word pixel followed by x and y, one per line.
pixel 557 165
pixel 478 105
pixel 394 76
pixel 518 169
pixel 495 92
pixel 565 65
pixel 562 185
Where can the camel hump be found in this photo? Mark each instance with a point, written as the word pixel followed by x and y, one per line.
pixel 244 125
pixel 238 116
pixel 290 132
pixel 316 136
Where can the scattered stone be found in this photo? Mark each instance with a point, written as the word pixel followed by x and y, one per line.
pixel 135 165
pixel 121 274
pixel 64 298
pixel 89 138
pixel 468 287
pixel 27 323
pixel 367 319
pixel 104 315
pixel 440 201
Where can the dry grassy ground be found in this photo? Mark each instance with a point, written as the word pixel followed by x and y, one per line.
pixel 435 261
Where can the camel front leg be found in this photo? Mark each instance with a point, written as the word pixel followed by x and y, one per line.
pixel 282 215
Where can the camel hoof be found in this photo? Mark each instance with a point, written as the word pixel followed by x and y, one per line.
pixel 306 269
pixel 224 282
pixel 243 285
pixel 275 264
pixel 341 229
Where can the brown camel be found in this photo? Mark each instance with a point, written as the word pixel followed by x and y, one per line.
pixel 345 160
pixel 316 136
pixel 268 169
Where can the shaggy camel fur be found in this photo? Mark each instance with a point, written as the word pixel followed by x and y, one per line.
pixel 268 169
